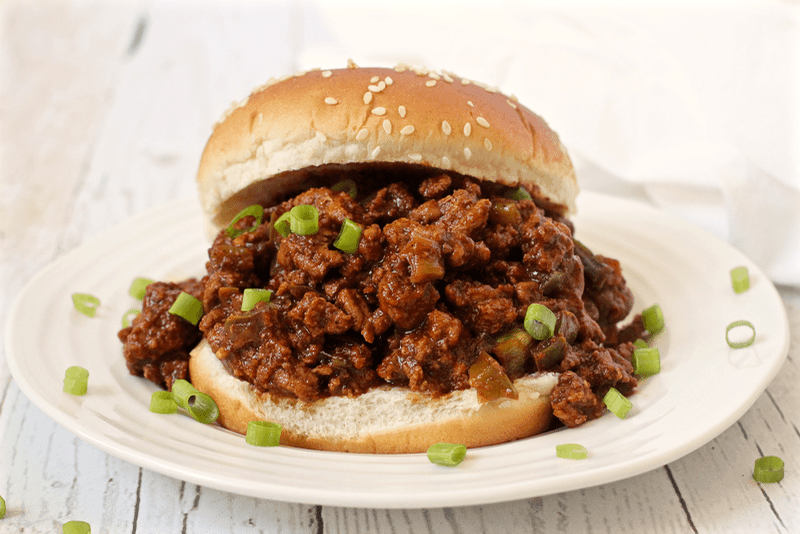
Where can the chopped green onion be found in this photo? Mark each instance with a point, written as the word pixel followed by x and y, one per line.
pixel 519 194
pixel 253 296
pixel 128 317
pixel 2 508
pixel 740 279
pixel 349 236
pixel 572 451
pixel 76 380
pixel 640 344
pixel 617 403
pixel 284 224
pixel 740 344
pixel 347 185
pixel 263 434
pixel 138 287
pixel 253 211
pixel 540 322
pixel 187 307
pixel 653 319
pixel 646 361
pixel 199 405
pixel 86 304
pixel 304 219
pixel 163 402
pixel 76 527
pixel 768 469
pixel 447 454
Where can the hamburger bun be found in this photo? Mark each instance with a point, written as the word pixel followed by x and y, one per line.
pixel 263 147
pixel 275 143
pixel 385 420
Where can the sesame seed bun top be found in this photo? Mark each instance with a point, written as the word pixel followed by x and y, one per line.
pixel 356 116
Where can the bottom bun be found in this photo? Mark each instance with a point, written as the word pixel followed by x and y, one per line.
pixel 386 420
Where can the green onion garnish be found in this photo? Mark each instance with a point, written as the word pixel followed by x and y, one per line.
pixel 76 527
pixel 86 304
pixel 653 319
pixel 163 402
pixel 252 296
pixel 128 317
pixel 447 454
pixel 740 344
pixel 2 508
pixel 347 185
pixel 254 211
pixel 617 403
pixel 199 405
pixel 76 380
pixel 304 219
pixel 138 287
pixel 768 469
pixel 540 322
pixel 646 361
pixel 740 279
pixel 263 434
pixel 572 451
pixel 519 194
pixel 188 307
pixel 349 236
pixel 640 344
pixel 284 224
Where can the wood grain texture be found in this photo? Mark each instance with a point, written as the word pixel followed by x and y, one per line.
pixel 106 116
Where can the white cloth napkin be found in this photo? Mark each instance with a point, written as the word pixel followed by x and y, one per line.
pixel 694 109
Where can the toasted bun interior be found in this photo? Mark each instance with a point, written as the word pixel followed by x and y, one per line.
pixel 258 152
pixel 383 420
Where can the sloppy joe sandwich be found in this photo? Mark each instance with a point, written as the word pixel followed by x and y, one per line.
pixel 418 279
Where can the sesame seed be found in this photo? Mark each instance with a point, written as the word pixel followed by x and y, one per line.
pixel 512 104
pixel 326 74
pixel 470 104
pixel 362 134
pixel 321 137
pixel 374 79
pixel 402 111
pixel 415 157
pixel 483 122
pixel 401 68
pixel 464 81
pixel 300 73
pixel 351 64
pixel 367 97
pixel 375 152
pixel 379 111
pixel 446 162
pixel 487 144
pixel 448 79
pixel 377 88
pixel 408 129
pixel 388 81
pixel 467 153
pixel 446 128
pixel 467 129
pixel 430 83
pixel 434 76
pixel 332 101
pixel 387 126
pixel 491 89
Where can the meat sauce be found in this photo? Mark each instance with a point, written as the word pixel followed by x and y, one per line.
pixel 445 269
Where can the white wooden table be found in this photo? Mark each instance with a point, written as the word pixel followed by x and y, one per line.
pixel 98 125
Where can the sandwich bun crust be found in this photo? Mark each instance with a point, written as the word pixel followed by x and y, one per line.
pixel 263 146
pixel 384 420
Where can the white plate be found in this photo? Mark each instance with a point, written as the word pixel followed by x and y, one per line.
pixel 703 388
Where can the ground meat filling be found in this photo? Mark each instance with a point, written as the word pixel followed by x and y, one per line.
pixel 444 269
